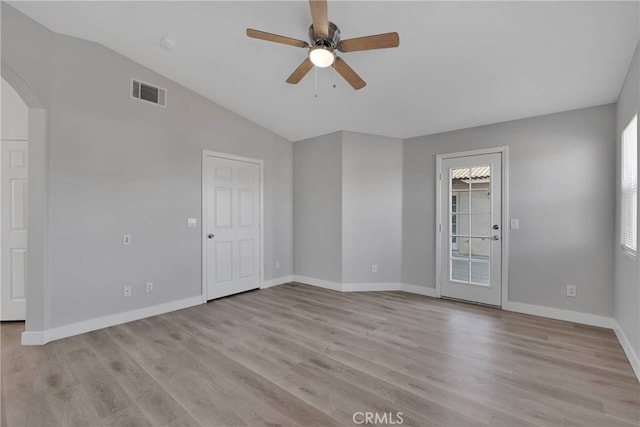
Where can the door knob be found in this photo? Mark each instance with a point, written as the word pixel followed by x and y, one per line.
pixel 496 227
pixel 211 236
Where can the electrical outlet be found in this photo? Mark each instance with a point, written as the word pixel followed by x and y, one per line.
pixel 374 268
pixel 148 288
pixel 277 265
pixel 571 291
pixel 192 222
pixel 128 290
pixel 126 239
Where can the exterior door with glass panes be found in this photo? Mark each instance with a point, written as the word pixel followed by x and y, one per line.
pixel 472 228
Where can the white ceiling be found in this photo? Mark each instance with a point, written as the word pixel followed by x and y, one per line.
pixel 459 64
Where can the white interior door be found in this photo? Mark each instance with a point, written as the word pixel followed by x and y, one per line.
pixel 232 229
pixel 13 251
pixel 471 236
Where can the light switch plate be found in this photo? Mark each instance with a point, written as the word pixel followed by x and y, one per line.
pixel 192 222
pixel 515 224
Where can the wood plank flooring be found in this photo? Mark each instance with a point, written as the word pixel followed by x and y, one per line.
pixel 303 356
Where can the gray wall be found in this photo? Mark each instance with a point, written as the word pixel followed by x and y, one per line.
pixel 15 122
pixel 562 187
pixel 371 208
pixel 317 207
pixel 117 165
pixel 348 208
pixel 27 48
pixel 627 274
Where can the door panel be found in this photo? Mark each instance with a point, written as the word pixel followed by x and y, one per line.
pixel 247 257
pixel 13 253
pixel 18 204
pixel 223 261
pixel 223 207
pixel 247 209
pixel 471 238
pixel 17 273
pixel 232 226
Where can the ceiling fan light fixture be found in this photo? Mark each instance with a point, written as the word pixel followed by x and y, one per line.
pixel 321 56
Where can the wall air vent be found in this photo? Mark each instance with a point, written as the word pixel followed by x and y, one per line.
pixel 148 92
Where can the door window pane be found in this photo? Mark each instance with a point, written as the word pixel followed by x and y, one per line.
pixel 480 247
pixel 463 247
pixel 460 225
pixel 480 201
pixel 460 270
pixel 481 225
pixel 480 272
pixel 480 177
pixel 462 202
pixel 456 246
pixel 460 179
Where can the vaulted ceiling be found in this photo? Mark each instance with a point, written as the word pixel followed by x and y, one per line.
pixel 459 64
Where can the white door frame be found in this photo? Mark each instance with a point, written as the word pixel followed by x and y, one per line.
pixel 504 151
pixel 38 269
pixel 203 222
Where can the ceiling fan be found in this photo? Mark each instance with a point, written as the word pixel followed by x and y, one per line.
pixel 325 41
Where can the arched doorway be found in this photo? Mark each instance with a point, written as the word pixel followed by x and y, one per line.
pixel 14 143
pixel 36 258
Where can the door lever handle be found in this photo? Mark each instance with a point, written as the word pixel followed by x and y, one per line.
pixel 211 236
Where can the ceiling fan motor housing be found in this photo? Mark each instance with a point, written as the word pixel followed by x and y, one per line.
pixel 331 42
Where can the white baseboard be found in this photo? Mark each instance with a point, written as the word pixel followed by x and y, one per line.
pixel 318 282
pixel 420 290
pixel 34 338
pixel 632 356
pixel 277 281
pixel 367 287
pixel 536 310
pixel 560 314
pixel 43 337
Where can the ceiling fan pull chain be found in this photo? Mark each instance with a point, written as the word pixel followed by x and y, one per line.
pixel 315 69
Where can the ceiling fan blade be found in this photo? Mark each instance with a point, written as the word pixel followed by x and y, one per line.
pixel 378 41
pixel 300 72
pixel 348 74
pixel 319 17
pixel 257 34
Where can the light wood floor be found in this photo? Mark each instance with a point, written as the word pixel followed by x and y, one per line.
pixel 298 355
